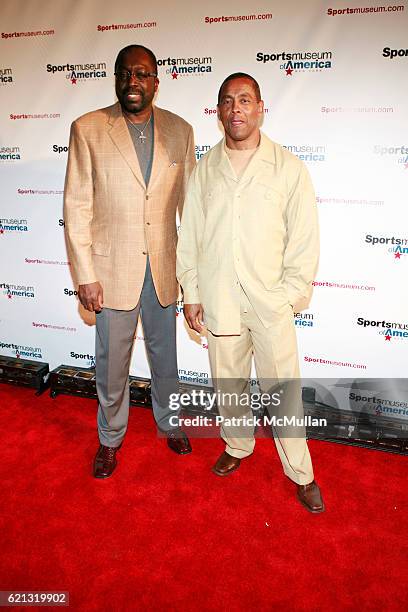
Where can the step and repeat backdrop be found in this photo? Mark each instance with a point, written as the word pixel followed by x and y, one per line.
pixel 333 76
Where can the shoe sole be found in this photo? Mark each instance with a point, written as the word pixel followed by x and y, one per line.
pixel 186 452
pixel 310 509
pixel 105 477
pixel 225 473
pixel 102 477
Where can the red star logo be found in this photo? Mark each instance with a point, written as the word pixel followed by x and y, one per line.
pixel 174 75
pixel 9 296
pixel 289 71
pixel 397 255
pixel 1 231
pixel 73 81
pixel 388 337
pixel 18 355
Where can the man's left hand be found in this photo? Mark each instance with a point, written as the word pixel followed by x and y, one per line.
pixel 194 316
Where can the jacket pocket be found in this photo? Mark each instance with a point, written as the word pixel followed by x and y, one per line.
pixel 101 248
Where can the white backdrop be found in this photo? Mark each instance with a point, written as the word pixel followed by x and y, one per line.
pixel 342 108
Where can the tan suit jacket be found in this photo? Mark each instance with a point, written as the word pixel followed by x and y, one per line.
pixel 111 219
pixel 260 232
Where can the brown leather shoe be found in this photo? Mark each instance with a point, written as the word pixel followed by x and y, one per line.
pixel 226 464
pixel 310 497
pixel 105 461
pixel 178 442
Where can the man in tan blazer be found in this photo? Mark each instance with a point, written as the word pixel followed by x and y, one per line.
pixel 128 166
pixel 247 255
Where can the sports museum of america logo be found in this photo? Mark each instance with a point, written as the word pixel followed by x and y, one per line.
pixel 308 152
pixel 6 76
pixel 11 291
pixel 298 61
pixel 22 352
pixel 364 401
pixel 201 149
pixel 83 359
pixel 397 153
pixel 388 329
pixel 79 73
pixel 186 66
pixel 59 149
pixel 10 154
pixel 15 226
pixel 394 53
pixel 304 319
pixel 391 244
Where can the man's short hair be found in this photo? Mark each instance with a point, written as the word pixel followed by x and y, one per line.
pixel 241 75
pixel 123 51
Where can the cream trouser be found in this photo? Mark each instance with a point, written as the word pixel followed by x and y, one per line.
pixel 276 359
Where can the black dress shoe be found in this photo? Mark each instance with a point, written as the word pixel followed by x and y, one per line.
pixel 310 497
pixel 226 464
pixel 105 461
pixel 178 442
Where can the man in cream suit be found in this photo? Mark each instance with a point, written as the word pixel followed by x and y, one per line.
pixel 128 166
pixel 246 259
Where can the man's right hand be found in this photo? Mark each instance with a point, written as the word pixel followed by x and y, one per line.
pixel 91 296
pixel 194 316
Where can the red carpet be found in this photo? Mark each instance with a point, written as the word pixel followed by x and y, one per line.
pixel 165 533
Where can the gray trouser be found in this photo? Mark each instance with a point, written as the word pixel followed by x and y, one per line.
pixel 115 331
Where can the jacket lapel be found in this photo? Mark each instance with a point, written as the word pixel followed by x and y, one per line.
pixel 221 162
pixel 162 138
pixel 261 160
pixel 119 133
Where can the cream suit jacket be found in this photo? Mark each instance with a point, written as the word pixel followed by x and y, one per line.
pixel 111 219
pixel 260 232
